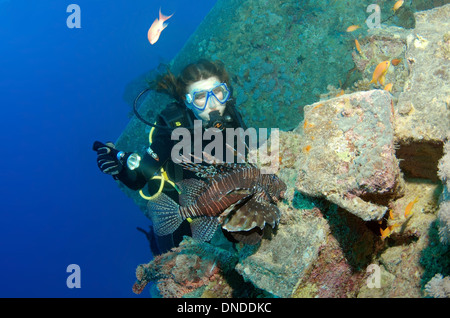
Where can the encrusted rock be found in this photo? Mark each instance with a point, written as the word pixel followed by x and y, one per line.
pixel 281 262
pixel 348 153
pixel 427 93
pixel 423 110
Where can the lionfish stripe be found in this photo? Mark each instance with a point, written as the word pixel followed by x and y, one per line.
pixel 190 189
pixel 191 211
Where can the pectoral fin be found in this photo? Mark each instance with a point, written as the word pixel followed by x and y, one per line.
pixel 254 213
pixel 203 228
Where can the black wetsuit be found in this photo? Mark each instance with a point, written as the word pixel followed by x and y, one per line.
pixel 174 115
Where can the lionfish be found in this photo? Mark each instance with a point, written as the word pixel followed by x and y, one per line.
pixel 238 197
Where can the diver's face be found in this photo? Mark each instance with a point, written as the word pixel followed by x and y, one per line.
pixel 212 104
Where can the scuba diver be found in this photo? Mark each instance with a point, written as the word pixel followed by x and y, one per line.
pixel 202 91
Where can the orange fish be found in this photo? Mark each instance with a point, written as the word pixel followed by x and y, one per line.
pixel 410 206
pixel 395 62
pixel 158 25
pixel 391 216
pixel 388 87
pixel 380 72
pixel 342 92
pixel 358 47
pixel 352 28
pixel 387 231
pixel 397 5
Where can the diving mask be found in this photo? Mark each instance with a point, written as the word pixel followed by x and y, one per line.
pixel 199 99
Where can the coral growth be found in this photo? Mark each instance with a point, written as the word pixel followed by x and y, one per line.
pixel 444 222
pixel 444 211
pixel 182 270
pixel 438 287
pixel 444 163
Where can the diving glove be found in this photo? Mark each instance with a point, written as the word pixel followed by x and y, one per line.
pixel 109 159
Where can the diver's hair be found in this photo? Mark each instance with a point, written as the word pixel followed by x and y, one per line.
pixel 202 69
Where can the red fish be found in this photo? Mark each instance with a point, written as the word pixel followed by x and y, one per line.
pixel 158 25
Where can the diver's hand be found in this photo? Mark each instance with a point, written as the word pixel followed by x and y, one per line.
pixel 108 158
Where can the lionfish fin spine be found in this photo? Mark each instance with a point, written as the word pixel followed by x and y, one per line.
pixel 165 214
pixel 190 189
pixel 203 228
pixel 200 170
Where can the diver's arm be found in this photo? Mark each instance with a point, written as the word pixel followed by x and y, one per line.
pixel 139 169
pixel 133 179
pixel 132 169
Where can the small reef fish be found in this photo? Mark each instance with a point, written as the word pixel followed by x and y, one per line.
pixel 358 47
pixel 395 62
pixel 237 196
pixel 391 215
pixel 157 26
pixel 342 92
pixel 397 5
pixel 388 87
pixel 410 206
pixel 353 28
pixel 387 231
pixel 380 72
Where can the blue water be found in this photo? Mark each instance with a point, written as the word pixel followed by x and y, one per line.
pixel 61 89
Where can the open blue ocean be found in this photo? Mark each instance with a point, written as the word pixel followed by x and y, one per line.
pixel 62 88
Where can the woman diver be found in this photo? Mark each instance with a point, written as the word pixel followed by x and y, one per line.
pixel 202 91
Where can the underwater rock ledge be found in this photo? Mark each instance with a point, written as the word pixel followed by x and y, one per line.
pixel 348 153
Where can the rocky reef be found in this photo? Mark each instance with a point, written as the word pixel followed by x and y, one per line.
pixel 347 153
pixel 367 168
